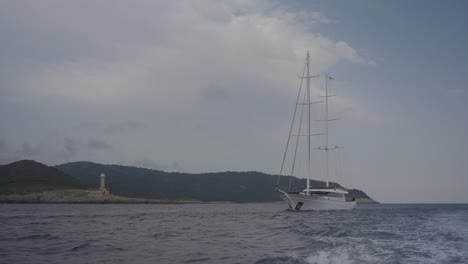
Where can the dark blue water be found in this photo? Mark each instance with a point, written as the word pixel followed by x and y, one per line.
pixel 232 233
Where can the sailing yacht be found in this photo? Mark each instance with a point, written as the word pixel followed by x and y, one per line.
pixel 313 198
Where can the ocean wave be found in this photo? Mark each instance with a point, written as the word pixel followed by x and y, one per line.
pixel 80 247
pixel 235 233
pixel 35 237
pixel 281 260
pixel 202 260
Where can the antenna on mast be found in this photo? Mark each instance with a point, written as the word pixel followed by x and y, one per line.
pixel 308 125
pixel 326 126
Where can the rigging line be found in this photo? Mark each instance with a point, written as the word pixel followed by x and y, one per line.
pixel 336 163
pixel 337 160
pixel 297 186
pixel 291 128
pixel 343 167
pixel 340 166
pixel 297 141
pixel 321 167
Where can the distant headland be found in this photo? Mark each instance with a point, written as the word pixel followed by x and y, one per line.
pixel 28 181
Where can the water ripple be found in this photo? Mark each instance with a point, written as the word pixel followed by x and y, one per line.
pixel 233 233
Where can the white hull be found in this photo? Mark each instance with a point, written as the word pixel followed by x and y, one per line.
pixel 302 202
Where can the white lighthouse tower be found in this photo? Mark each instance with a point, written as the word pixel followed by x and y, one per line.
pixel 102 184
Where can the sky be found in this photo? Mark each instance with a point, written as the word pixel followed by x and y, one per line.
pixel 206 86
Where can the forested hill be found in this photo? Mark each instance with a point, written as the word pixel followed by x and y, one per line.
pixel 219 186
pixel 28 176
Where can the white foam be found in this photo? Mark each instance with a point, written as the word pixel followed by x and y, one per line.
pixel 327 257
pixel 342 255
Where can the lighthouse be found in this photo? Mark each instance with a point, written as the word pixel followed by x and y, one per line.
pixel 102 184
pixel 102 187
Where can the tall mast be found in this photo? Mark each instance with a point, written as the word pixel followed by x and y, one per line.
pixel 308 125
pixel 326 129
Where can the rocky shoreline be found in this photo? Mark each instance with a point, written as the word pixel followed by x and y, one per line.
pixel 366 201
pixel 77 196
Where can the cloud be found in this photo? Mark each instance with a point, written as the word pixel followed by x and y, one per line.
pixel 318 17
pixel 199 82
pixel 456 91
pixel 29 151
pixel 3 145
pixel 97 144
pixel 124 127
pixel 71 147
pixel 216 94
pixel 169 50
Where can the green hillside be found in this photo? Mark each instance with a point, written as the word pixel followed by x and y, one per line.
pixel 220 186
pixel 28 176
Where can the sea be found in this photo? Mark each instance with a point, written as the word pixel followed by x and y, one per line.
pixel 232 233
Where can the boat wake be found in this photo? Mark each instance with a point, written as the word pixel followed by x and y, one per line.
pixel 234 233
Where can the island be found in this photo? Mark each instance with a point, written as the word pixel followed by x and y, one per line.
pixel 29 181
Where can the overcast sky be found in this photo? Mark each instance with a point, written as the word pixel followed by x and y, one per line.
pixel 202 86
